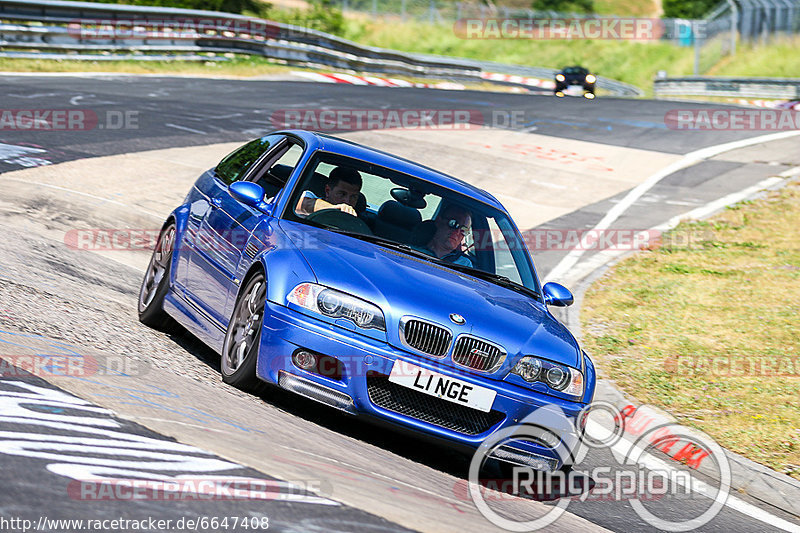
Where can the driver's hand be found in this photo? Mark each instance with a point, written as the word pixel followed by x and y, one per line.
pixel 345 208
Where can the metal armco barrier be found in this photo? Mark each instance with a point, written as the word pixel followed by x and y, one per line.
pixel 780 88
pixel 82 30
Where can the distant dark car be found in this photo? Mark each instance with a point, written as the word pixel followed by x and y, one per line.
pixel 575 77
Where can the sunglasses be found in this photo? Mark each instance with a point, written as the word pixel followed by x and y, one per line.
pixel 454 224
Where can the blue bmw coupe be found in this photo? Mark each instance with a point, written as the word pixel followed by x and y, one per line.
pixel 372 284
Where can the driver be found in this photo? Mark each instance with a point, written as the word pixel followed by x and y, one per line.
pixel 341 192
pixel 452 223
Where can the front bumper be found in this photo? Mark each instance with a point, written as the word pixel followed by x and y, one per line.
pixel 574 86
pixel 367 362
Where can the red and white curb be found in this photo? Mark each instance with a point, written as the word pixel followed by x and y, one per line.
pixel 635 429
pixel 331 77
pixel 520 80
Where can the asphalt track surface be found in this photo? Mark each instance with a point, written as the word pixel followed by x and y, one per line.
pixel 173 112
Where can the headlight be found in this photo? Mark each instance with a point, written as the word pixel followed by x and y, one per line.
pixel 336 304
pixel 529 368
pixel 590 78
pixel 560 77
pixel 558 377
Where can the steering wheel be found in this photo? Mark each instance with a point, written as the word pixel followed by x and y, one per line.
pixel 340 220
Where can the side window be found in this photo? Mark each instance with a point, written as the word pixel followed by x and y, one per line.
pixel 236 164
pixel 503 249
pixel 274 177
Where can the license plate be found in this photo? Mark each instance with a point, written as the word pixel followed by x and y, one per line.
pixel 441 386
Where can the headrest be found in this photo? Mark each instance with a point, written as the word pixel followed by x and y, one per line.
pixel 423 233
pixel 361 203
pixel 282 172
pixel 317 184
pixel 393 212
pixel 415 199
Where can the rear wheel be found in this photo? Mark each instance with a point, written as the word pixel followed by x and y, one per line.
pixel 156 282
pixel 240 350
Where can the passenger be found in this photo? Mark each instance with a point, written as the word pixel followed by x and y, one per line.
pixel 341 192
pixel 452 224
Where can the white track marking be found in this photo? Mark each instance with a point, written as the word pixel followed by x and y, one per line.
pixel 184 128
pixel 29 96
pixel 80 193
pixel 568 262
pixel 795 171
pixel 601 258
pixel 623 448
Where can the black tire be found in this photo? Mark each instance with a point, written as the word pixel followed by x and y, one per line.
pixel 156 283
pixel 240 349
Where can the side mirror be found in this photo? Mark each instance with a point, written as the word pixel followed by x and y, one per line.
pixel 249 193
pixel 557 294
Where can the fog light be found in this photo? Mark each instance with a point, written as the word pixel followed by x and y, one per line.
pixel 305 360
pixel 590 96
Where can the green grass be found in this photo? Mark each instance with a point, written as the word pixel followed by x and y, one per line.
pixel 779 58
pixel 706 327
pixel 633 8
pixel 634 63
pixel 240 66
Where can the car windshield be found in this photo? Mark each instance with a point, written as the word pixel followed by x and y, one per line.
pixel 575 70
pixel 412 216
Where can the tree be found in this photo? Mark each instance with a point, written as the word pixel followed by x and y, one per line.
pixel 567 6
pixel 688 9
pixel 228 6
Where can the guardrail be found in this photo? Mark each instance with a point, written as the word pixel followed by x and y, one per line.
pixel 82 30
pixel 779 88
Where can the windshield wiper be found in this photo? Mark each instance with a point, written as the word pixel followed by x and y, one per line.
pixel 494 278
pixel 385 242
pixel 481 274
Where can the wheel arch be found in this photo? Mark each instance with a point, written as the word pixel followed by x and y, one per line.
pixel 255 268
pixel 178 217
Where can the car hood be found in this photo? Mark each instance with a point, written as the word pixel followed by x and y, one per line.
pixel 403 285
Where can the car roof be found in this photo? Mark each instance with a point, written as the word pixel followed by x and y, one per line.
pixel 329 143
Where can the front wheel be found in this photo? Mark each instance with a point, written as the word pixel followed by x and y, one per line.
pixel 240 350
pixel 156 282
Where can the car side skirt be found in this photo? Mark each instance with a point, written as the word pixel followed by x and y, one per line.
pixel 193 319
